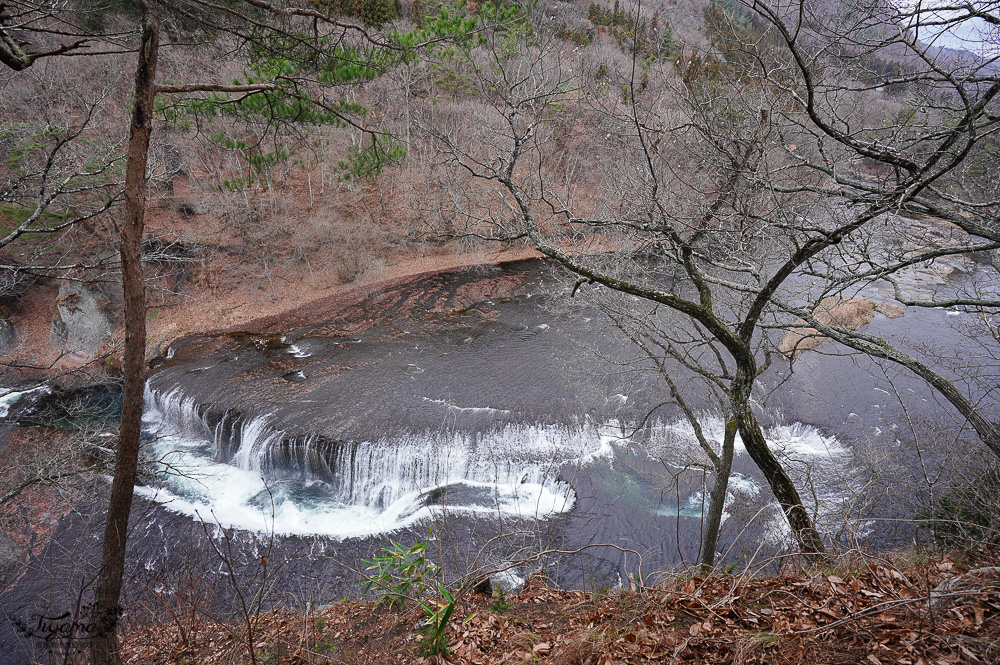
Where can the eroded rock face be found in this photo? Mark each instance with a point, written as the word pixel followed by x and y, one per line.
pixel 11 559
pixel 8 334
pixel 81 323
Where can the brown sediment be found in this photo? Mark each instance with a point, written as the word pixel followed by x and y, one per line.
pixel 235 309
pixel 891 310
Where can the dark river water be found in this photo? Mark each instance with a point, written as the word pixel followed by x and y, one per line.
pixel 484 406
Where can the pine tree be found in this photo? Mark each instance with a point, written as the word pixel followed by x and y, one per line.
pixel 377 12
pixel 593 13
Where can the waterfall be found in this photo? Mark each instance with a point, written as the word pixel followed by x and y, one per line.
pixel 386 482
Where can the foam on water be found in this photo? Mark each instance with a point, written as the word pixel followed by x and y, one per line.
pixel 8 398
pixel 789 441
pixel 696 504
pixel 800 440
pixel 371 486
pixel 465 409
pixel 816 462
pixel 298 352
pixel 740 483
pixel 249 474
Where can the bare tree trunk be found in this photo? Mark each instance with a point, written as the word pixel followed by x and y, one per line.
pixel 107 606
pixel 717 498
pixel 781 485
pixel 741 387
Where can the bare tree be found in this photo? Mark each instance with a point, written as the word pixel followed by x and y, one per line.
pixel 683 357
pixel 804 157
pixel 31 31
pixel 107 591
pixel 911 184
pixel 698 248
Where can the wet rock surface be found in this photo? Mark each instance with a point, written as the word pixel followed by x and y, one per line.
pixel 474 351
pixel 8 334
pixel 82 322
pixel 484 346
pixel 475 347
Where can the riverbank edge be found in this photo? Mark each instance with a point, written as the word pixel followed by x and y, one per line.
pixel 911 608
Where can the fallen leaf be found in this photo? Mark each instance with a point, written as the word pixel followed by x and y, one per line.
pixel 971 657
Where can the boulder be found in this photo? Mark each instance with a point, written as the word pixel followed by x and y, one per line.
pixel 850 313
pixel 81 323
pixel 891 310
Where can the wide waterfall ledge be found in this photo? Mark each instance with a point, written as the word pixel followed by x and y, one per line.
pixel 243 472
pixel 223 467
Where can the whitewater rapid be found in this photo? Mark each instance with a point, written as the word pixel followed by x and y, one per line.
pixel 248 474
pixel 358 488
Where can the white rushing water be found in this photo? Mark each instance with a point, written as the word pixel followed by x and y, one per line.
pixel 9 395
pixel 370 486
pixel 821 467
pixel 363 488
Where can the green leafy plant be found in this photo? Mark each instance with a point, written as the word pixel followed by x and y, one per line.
pixel 500 602
pixel 435 642
pixel 400 572
pixel 368 161
pixel 324 644
pixel 968 514
pixel 273 654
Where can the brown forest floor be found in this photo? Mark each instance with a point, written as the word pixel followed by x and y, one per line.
pixel 874 611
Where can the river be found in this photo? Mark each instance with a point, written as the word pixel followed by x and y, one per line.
pixel 483 408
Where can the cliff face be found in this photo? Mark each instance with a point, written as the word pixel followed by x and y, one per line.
pixel 203 276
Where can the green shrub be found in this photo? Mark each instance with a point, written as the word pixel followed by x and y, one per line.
pixel 969 514
pixel 500 603
pixel 399 573
pixel 435 642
